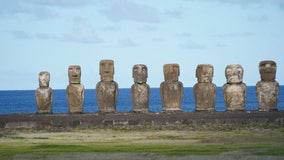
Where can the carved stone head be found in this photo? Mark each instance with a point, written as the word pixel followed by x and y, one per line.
pixel 44 78
pixel 204 73
pixel 106 70
pixel 267 70
pixel 171 72
pixel 74 74
pixel 140 73
pixel 234 73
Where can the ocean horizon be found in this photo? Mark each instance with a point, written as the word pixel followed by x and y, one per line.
pixel 23 101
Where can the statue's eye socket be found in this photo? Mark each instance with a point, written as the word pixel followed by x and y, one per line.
pixel 273 65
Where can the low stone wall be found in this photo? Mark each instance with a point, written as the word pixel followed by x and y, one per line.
pixel 164 119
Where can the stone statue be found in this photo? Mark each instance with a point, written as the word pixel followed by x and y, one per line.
pixel 171 90
pixel 204 90
pixel 140 90
pixel 75 90
pixel 267 89
pixel 234 90
pixel 107 88
pixel 44 94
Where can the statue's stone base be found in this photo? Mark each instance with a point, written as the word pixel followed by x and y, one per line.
pixel 173 120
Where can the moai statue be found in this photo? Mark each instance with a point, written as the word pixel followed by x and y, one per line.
pixel 171 90
pixel 234 90
pixel 204 90
pixel 140 90
pixel 267 89
pixel 44 94
pixel 107 88
pixel 75 90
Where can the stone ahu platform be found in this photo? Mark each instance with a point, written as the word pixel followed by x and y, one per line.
pixel 172 120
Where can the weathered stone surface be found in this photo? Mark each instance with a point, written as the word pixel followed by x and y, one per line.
pixel 140 73
pixel 107 89
pixel 189 120
pixel 171 90
pixel 235 96
pixel 106 70
pixel 204 90
pixel 267 90
pixel 75 91
pixel 74 74
pixel 140 91
pixel 234 90
pixel 267 70
pixel 44 94
pixel 234 73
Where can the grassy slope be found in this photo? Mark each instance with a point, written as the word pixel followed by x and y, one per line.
pixel 167 142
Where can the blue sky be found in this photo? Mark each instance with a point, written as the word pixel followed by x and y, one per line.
pixel 50 35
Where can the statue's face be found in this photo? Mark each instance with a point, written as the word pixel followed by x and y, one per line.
pixel 267 70
pixel 171 72
pixel 204 73
pixel 74 74
pixel 44 78
pixel 106 70
pixel 234 73
pixel 140 73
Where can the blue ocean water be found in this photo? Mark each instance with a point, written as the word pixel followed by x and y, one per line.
pixel 24 101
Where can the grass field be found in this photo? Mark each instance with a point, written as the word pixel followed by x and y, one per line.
pixel 42 144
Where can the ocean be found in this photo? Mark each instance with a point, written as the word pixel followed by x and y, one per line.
pixel 23 101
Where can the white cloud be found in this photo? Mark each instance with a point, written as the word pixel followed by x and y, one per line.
pixel 173 13
pixel 21 35
pixel 192 45
pixel 149 28
pixel 185 35
pixel 82 32
pixel 232 35
pixel 126 10
pixel 221 45
pixel 126 43
pixel 258 18
pixel 20 7
pixel 279 3
pixel 62 3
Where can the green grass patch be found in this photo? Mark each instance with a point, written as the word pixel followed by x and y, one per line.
pixel 256 142
pixel 17 138
pixel 7 152
pixel 40 138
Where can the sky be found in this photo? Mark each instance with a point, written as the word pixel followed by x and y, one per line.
pixel 50 35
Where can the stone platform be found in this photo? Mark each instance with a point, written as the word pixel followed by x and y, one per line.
pixel 170 119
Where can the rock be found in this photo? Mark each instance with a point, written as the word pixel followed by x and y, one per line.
pixel 204 90
pixel 107 89
pixel 140 90
pixel 234 90
pixel 44 94
pixel 267 90
pixel 171 90
pixel 75 91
